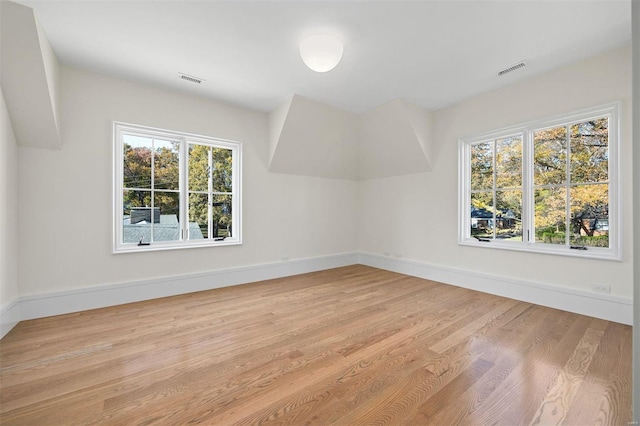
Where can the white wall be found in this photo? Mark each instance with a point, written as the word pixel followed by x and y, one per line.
pixel 66 206
pixel 415 216
pixel 8 209
pixel 635 25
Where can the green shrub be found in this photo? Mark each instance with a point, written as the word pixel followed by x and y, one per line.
pixel 595 241
pixel 552 237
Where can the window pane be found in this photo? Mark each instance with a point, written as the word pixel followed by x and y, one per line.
pixel 590 215
pixel 550 156
pixel 509 162
pixel 590 151
pixel 136 162
pixel 166 165
pixel 166 227
pixel 482 166
pixel 132 199
pixel 550 215
pixel 509 215
pixel 198 167
pixel 221 215
pixel 482 214
pixel 221 173
pixel 198 216
pixel 136 216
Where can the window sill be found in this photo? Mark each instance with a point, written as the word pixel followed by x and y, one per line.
pixel 174 245
pixel 590 253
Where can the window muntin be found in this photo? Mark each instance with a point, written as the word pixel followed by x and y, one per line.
pixel 174 190
pixel 560 188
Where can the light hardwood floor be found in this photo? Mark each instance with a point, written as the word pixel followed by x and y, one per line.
pixel 353 345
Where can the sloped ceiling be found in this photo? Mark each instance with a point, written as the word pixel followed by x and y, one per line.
pixel 311 138
pixel 29 78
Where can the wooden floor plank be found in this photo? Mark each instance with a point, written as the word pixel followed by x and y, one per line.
pixel 555 406
pixel 352 345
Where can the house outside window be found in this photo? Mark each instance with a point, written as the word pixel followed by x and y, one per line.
pixel 549 186
pixel 174 190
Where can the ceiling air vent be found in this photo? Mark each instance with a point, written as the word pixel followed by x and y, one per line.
pixel 520 64
pixel 190 78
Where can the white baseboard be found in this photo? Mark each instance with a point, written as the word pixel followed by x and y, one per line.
pixel 612 308
pixel 604 306
pixel 64 302
pixel 9 316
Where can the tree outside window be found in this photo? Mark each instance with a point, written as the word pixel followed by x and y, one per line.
pixel 548 186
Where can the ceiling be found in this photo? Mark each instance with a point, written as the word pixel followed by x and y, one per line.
pixel 432 53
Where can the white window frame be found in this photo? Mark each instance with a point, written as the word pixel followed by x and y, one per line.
pixel 185 139
pixel 528 244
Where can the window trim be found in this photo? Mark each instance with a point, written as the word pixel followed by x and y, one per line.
pixel 185 139
pixel 614 252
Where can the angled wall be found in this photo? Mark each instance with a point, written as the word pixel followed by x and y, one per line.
pixel 277 119
pixel 421 122
pixel 29 78
pixel 314 139
pixel 394 141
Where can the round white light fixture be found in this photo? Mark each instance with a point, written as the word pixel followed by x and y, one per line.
pixel 321 53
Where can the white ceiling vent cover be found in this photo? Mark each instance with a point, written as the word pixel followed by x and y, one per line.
pixel 190 78
pixel 514 67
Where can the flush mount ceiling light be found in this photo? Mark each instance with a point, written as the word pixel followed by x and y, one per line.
pixel 321 53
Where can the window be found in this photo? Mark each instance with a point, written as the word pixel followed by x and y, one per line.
pixel 550 186
pixel 174 190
